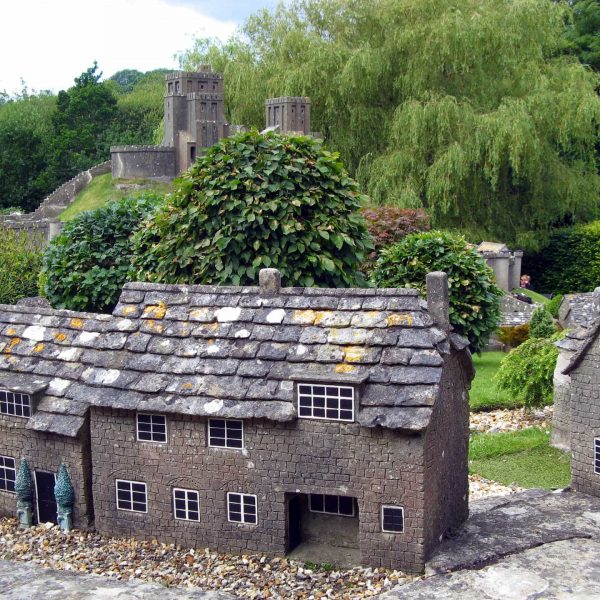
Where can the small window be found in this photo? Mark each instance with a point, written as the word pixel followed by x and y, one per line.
pixel 16 405
pixel 8 474
pixel 392 519
pixel 151 428
pixel 186 504
pixel 333 402
pixel 332 505
pixel 597 456
pixel 241 508
pixel 225 433
pixel 132 496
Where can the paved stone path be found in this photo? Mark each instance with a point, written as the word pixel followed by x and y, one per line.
pixel 20 581
pixel 533 544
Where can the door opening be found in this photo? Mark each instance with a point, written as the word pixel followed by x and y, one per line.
pixel 44 493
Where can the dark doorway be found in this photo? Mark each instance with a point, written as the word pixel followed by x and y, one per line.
pixel 46 502
pixel 193 154
pixel 294 522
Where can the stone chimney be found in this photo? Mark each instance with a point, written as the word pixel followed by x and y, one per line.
pixel 269 281
pixel 437 299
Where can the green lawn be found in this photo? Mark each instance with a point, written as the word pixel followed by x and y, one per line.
pixel 533 295
pixel 103 188
pixel 484 394
pixel 524 458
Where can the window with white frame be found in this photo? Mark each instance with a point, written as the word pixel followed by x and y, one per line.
pixel 392 519
pixel 8 474
pixel 597 456
pixel 332 505
pixel 16 405
pixel 151 428
pixel 186 504
pixel 241 508
pixel 332 402
pixel 132 496
pixel 225 433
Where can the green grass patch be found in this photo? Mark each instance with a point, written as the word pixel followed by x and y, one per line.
pixel 524 458
pixel 103 188
pixel 484 394
pixel 533 295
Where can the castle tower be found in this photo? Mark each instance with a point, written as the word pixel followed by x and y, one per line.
pixel 194 113
pixel 290 113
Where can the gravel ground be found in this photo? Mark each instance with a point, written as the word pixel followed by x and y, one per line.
pixel 511 420
pixel 253 576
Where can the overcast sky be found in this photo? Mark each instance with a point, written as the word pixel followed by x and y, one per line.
pixel 49 42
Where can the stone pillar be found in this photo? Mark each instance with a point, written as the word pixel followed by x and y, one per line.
pixel 437 299
pixel 54 229
pixel 269 281
pixel 561 420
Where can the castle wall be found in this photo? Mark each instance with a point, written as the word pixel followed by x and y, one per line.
pixel 375 466
pixel 45 452
pixel 143 162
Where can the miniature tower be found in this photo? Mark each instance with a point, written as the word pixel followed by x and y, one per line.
pixel 194 113
pixel 290 113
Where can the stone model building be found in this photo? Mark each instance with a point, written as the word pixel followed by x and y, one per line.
pixel 505 264
pixel 194 119
pixel 246 419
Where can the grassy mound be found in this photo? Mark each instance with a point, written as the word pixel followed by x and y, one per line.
pixel 104 188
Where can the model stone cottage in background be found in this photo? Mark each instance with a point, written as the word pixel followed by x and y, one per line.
pixel 245 419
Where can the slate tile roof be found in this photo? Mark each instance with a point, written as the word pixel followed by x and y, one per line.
pixel 227 351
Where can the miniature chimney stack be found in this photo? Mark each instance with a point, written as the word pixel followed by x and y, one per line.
pixel 437 299
pixel 269 281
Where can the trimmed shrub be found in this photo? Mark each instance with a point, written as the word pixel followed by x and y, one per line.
pixel 569 263
pixel 85 267
pixel 20 264
pixel 513 336
pixel 554 305
pixel 541 324
pixel 526 372
pixel 474 296
pixel 255 201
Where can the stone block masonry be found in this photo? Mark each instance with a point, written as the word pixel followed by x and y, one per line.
pixel 376 467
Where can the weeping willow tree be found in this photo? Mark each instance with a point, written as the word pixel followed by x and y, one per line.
pixel 467 108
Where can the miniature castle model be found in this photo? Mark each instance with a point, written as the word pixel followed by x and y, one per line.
pixel 505 264
pixel 245 418
pixel 194 119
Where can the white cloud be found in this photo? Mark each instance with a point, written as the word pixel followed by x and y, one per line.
pixel 49 43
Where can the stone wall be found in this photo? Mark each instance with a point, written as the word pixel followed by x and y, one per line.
pixel 143 162
pixel 43 222
pixel 446 451
pixel 45 452
pixel 375 466
pixel 585 420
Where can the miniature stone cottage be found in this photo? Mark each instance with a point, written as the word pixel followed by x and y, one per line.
pixel 247 419
pixel 584 373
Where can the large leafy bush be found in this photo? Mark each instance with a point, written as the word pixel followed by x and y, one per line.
pixel 474 296
pixel 85 267
pixel 20 263
pixel 569 263
pixel 527 371
pixel 257 201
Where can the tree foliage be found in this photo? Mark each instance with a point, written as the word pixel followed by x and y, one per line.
pixel 474 296
pixel 470 109
pixel 527 371
pixel 257 201
pixel 85 267
pixel 20 263
pixel 569 262
pixel 584 33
